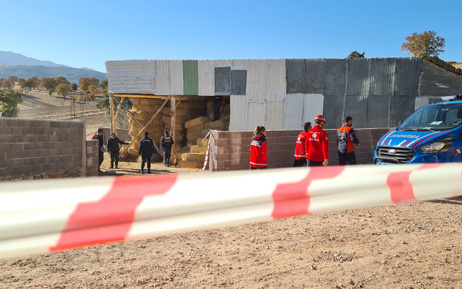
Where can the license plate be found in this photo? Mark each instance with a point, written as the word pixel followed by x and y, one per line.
pixel 380 163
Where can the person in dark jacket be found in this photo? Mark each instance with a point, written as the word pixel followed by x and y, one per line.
pixel 346 139
pixel 167 143
pixel 258 149
pixel 146 150
pixel 114 148
pixel 216 107
pixel 99 137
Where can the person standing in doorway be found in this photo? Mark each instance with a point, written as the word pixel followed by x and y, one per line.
pixel 317 144
pixel 300 154
pixel 346 139
pixel 114 148
pixel 146 150
pixel 167 143
pixel 99 137
pixel 216 106
pixel 258 153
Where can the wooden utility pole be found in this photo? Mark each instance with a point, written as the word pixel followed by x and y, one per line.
pixel 113 119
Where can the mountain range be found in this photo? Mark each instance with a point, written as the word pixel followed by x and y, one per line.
pixel 25 67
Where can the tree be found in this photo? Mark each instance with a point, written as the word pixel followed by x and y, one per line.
pixel 9 103
pixel 356 55
pixel 32 82
pixel 13 79
pixel 122 118
pixel 92 92
pixel 74 86
pixel 22 83
pixel 85 82
pixel 63 89
pixel 7 83
pixel 49 84
pixel 425 44
pixel 62 80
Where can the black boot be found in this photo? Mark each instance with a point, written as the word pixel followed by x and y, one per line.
pixel 149 171
pixel 142 171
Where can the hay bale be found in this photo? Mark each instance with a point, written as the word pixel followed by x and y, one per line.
pixel 193 136
pixel 192 157
pixel 198 149
pixel 202 142
pixel 195 122
pixel 189 165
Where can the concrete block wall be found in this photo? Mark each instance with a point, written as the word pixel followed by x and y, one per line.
pixel 91 158
pixel 41 148
pixel 231 150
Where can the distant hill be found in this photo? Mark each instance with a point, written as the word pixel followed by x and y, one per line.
pixel 24 67
pixel 11 58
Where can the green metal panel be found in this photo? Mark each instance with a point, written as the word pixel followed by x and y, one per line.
pixel 190 77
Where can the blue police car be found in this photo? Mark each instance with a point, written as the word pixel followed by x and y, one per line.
pixel 432 134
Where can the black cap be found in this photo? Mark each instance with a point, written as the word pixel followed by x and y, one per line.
pixel 146 133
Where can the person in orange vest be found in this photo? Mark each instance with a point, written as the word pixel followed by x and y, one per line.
pixel 258 154
pixel 300 154
pixel 317 144
pixel 346 139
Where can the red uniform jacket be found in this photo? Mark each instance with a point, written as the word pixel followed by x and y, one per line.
pixel 258 156
pixel 300 153
pixel 317 144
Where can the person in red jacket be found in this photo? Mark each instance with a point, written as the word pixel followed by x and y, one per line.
pixel 300 154
pixel 317 144
pixel 258 155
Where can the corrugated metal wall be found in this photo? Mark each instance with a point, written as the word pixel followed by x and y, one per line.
pixel 285 93
pixel 136 76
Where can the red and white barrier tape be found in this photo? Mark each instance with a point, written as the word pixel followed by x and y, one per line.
pixel 51 215
pixel 209 134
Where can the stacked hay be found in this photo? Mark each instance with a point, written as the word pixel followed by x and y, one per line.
pixel 143 110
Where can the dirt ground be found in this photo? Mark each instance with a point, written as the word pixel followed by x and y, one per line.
pixel 404 246
pixel 415 245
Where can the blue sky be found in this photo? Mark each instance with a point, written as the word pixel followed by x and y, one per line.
pixel 86 33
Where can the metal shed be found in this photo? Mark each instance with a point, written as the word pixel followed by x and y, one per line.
pixel 284 93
